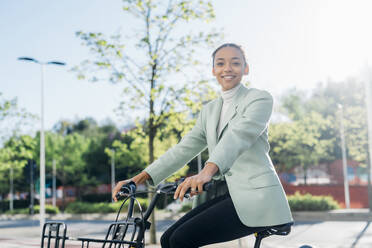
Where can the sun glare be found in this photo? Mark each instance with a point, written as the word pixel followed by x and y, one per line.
pixel 344 39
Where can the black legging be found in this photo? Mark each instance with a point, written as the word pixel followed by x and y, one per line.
pixel 212 222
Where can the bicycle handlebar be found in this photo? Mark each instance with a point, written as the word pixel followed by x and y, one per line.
pixel 206 187
pixel 127 189
pixel 166 188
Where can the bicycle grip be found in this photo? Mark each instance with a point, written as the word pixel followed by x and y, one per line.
pixel 126 189
pixel 207 186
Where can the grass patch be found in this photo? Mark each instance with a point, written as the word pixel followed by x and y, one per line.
pixel 49 209
pixel 102 207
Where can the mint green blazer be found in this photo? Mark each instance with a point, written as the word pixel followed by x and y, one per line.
pixel 241 154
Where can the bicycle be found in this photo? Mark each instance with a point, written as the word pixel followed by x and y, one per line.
pixel 135 226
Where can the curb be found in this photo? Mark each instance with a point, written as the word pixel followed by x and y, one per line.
pixel 160 215
pixel 334 215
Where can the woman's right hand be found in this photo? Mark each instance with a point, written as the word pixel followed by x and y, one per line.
pixel 118 187
pixel 140 178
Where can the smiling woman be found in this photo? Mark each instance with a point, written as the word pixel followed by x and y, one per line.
pixel 246 196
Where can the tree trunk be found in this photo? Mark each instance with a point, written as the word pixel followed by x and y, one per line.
pixel 151 159
pixel 78 192
pixel 305 174
pixel 369 188
pixel 152 132
pixel 63 188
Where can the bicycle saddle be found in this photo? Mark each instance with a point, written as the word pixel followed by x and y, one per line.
pixel 282 230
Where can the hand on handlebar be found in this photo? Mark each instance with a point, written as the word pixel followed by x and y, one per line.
pixel 138 179
pixel 118 187
pixel 195 183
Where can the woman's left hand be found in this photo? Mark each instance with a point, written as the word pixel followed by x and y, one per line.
pixel 196 182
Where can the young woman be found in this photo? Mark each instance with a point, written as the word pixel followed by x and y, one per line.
pixel 247 195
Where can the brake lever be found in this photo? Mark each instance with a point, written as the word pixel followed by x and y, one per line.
pixel 121 195
pixel 206 187
pixel 130 188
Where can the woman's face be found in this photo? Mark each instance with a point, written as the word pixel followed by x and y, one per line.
pixel 229 67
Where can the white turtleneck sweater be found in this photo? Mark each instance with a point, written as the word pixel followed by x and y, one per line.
pixel 227 98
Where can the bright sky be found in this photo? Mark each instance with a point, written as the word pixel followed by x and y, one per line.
pixel 289 43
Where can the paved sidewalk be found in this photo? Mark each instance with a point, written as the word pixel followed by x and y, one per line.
pixel 333 229
pixel 362 214
pixel 317 234
pixel 334 215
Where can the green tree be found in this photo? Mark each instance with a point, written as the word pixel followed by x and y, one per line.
pixel 324 100
pixel 160 57
pixel 12 118
pixel 281 154
pixel 73 163
pixel 14 155
pixel 293 104
pixel 98 162
pixel 14 147
pixel 100 137
pixel 68 153
pixel 356 133
pixel 131 152
pixel 351 95
pixel 301 143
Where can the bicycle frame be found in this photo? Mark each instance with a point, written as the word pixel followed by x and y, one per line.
pixel 117 231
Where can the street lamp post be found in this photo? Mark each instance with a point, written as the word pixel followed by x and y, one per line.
pixel 344 161
pixel 112 172
pixel 32 166
pixel 11 189
pixel 367 77
pixel 42 139
pixel 54 183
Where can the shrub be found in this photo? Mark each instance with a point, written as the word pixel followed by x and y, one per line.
pixel 102 207
pixel 308 202
pixel 18 211
pixel 49 209
pixel 88 207
pixel 96 197
pixel 17 204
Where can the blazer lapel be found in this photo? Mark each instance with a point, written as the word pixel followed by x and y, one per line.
pixel 214 119
pixel 231 112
